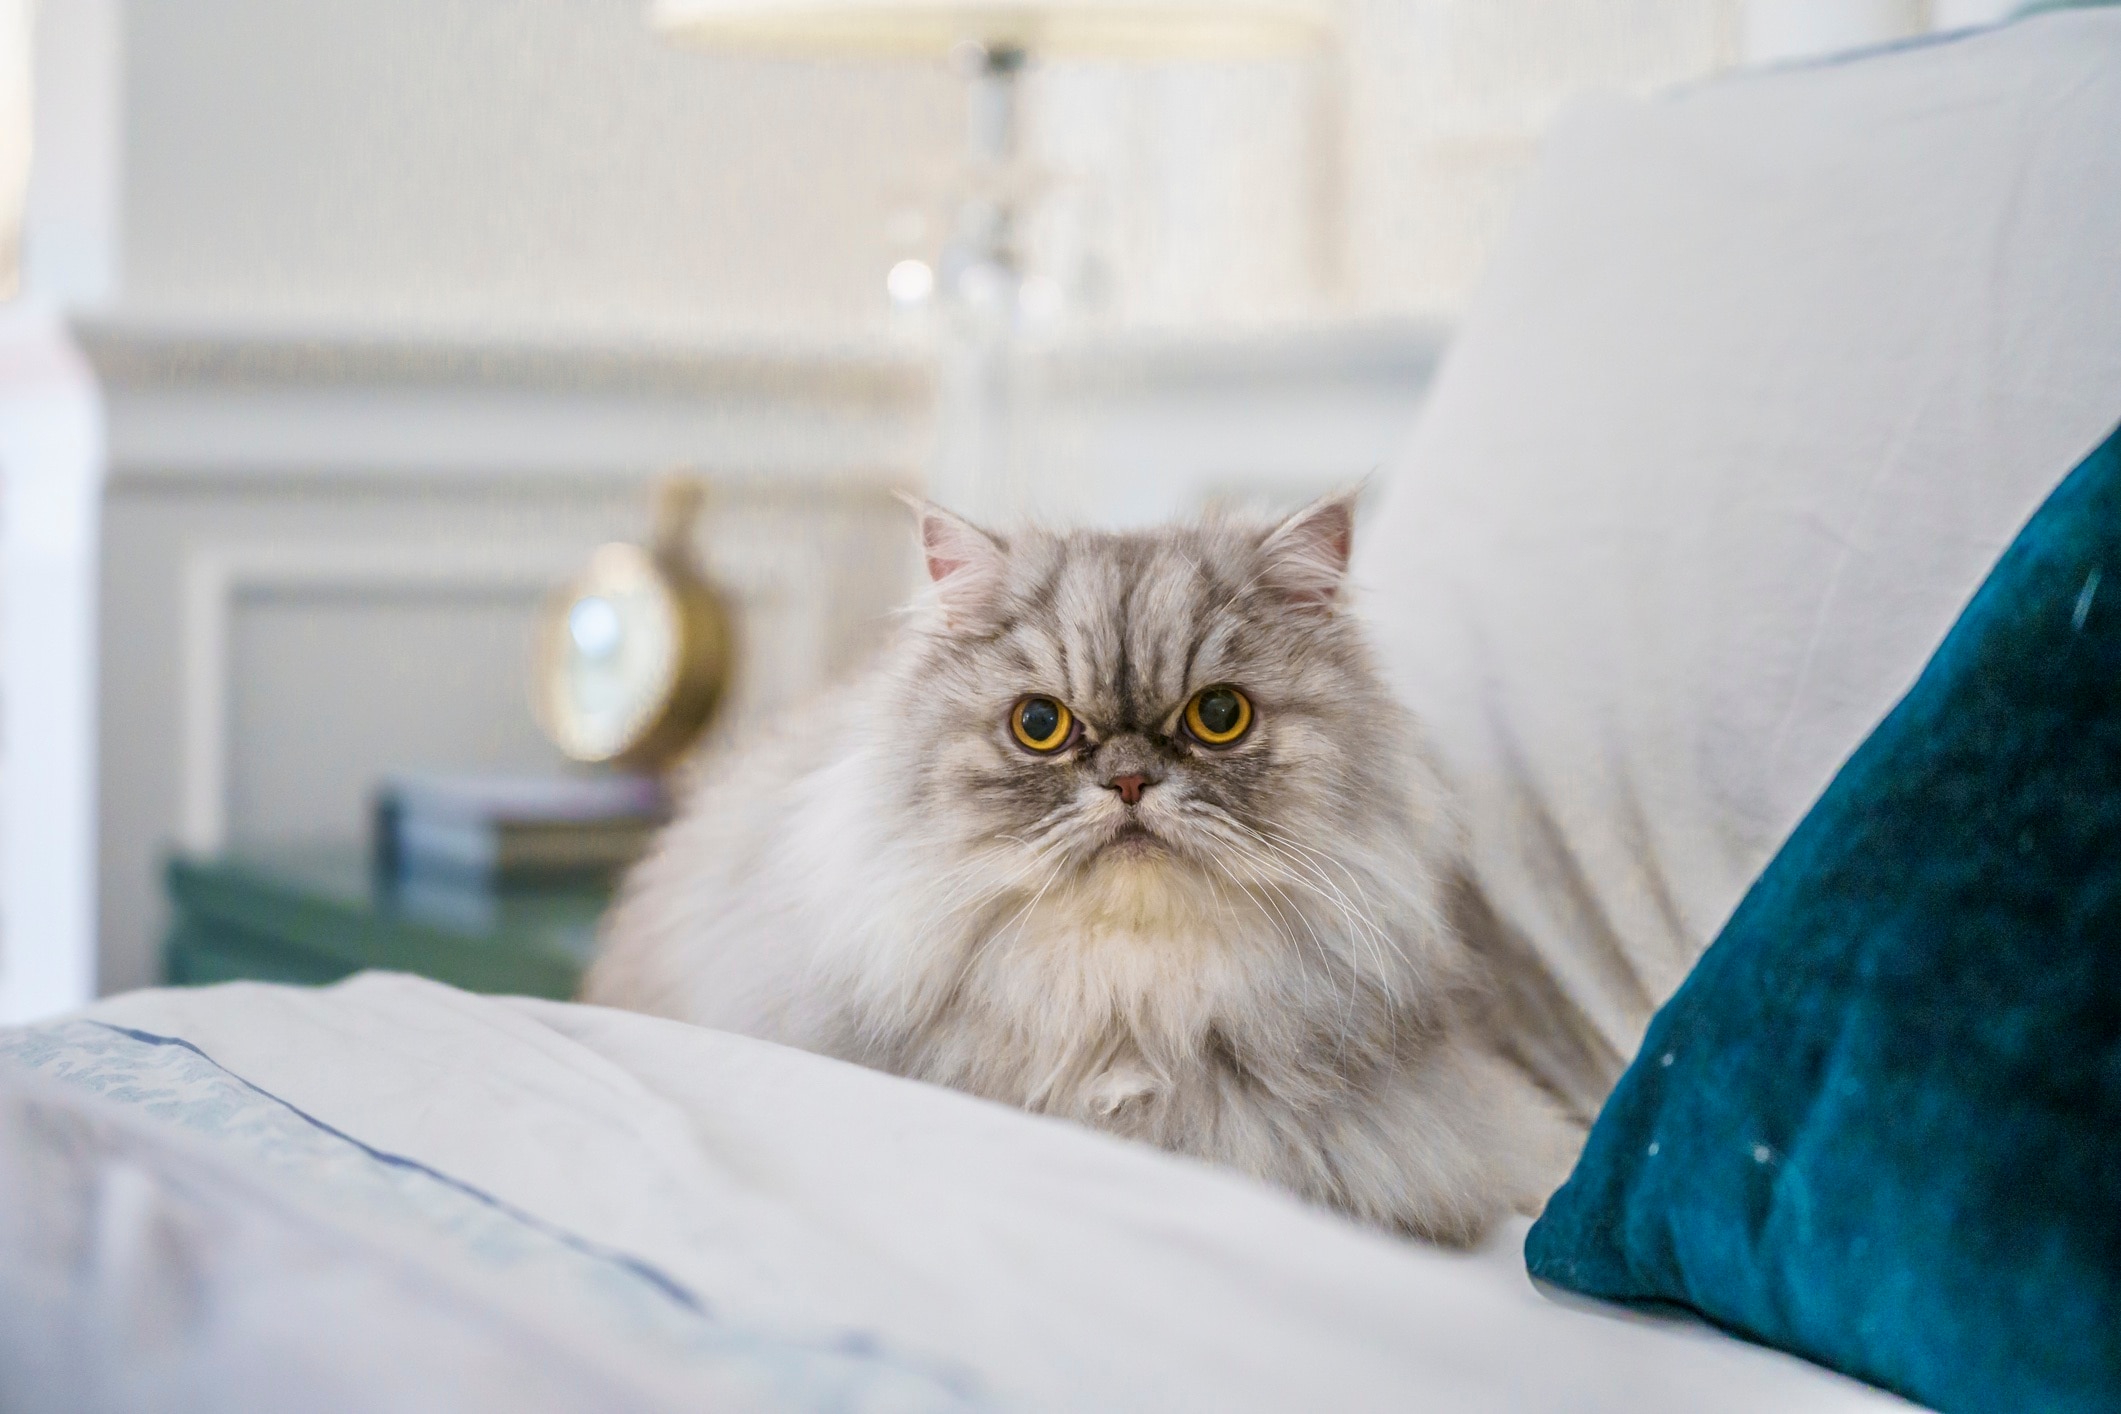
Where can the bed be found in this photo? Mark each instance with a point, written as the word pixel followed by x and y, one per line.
pixel 389 1194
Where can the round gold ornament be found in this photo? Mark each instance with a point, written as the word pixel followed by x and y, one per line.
pixel 635 654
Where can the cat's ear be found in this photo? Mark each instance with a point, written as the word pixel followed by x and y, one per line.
pixel 1307 554
pixel 965 563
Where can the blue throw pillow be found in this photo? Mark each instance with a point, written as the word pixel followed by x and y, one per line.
pixel 1880 1124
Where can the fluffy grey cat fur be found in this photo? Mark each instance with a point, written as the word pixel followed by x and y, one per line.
pixel 1249 963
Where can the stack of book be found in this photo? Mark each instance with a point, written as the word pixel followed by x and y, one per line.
pixel 515 829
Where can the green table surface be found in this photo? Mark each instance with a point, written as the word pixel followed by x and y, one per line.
pixel 317 914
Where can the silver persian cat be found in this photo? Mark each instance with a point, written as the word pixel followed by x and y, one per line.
pixel 1124 828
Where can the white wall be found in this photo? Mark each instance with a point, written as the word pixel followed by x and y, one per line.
pixel 544 165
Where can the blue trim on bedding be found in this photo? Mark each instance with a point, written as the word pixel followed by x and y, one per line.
pixel 670 1286
pixel 789 1363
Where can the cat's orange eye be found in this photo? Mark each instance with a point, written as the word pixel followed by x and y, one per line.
pixel 1040 724
pixel 1218 716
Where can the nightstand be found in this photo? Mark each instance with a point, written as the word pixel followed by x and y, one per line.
pixel 316 915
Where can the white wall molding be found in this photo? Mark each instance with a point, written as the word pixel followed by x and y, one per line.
pixel 214 578
pixel 133 351
pixel 325 402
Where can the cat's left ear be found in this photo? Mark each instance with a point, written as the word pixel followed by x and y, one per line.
pixel 1307 554
pixel 965 563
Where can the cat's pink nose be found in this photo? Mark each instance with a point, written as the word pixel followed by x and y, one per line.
pixel 1129 787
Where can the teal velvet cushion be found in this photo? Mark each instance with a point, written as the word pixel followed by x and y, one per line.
pixel 1880 1124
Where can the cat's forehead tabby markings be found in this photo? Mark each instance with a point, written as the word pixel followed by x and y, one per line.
pixel 1124 626
pixel 1125 634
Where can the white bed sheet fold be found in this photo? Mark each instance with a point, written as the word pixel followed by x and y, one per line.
pixel 1031 1263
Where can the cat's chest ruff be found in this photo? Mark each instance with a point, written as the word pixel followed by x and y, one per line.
pixel 1123 903
pixel 1119 996
pixel 1133 938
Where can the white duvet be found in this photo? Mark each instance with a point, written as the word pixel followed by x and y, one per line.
pixel 392 1195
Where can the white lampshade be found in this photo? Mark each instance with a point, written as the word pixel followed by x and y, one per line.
pixel 1083 29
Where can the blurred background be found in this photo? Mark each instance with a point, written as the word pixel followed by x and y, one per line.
pixel 338 333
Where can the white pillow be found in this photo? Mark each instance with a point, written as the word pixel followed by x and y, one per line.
pixel 1766 375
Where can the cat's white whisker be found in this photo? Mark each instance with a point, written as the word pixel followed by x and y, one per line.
pixel 1326 956
pixel 1364 922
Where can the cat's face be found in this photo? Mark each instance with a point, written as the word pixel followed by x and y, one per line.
pixel 1188 699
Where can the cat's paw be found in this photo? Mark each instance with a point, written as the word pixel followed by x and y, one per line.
pixel 1118 1088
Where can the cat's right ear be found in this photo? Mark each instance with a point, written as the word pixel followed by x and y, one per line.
pixel 965 564
pixel 1307 554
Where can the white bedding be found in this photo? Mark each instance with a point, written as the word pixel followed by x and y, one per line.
pixel 391 1195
